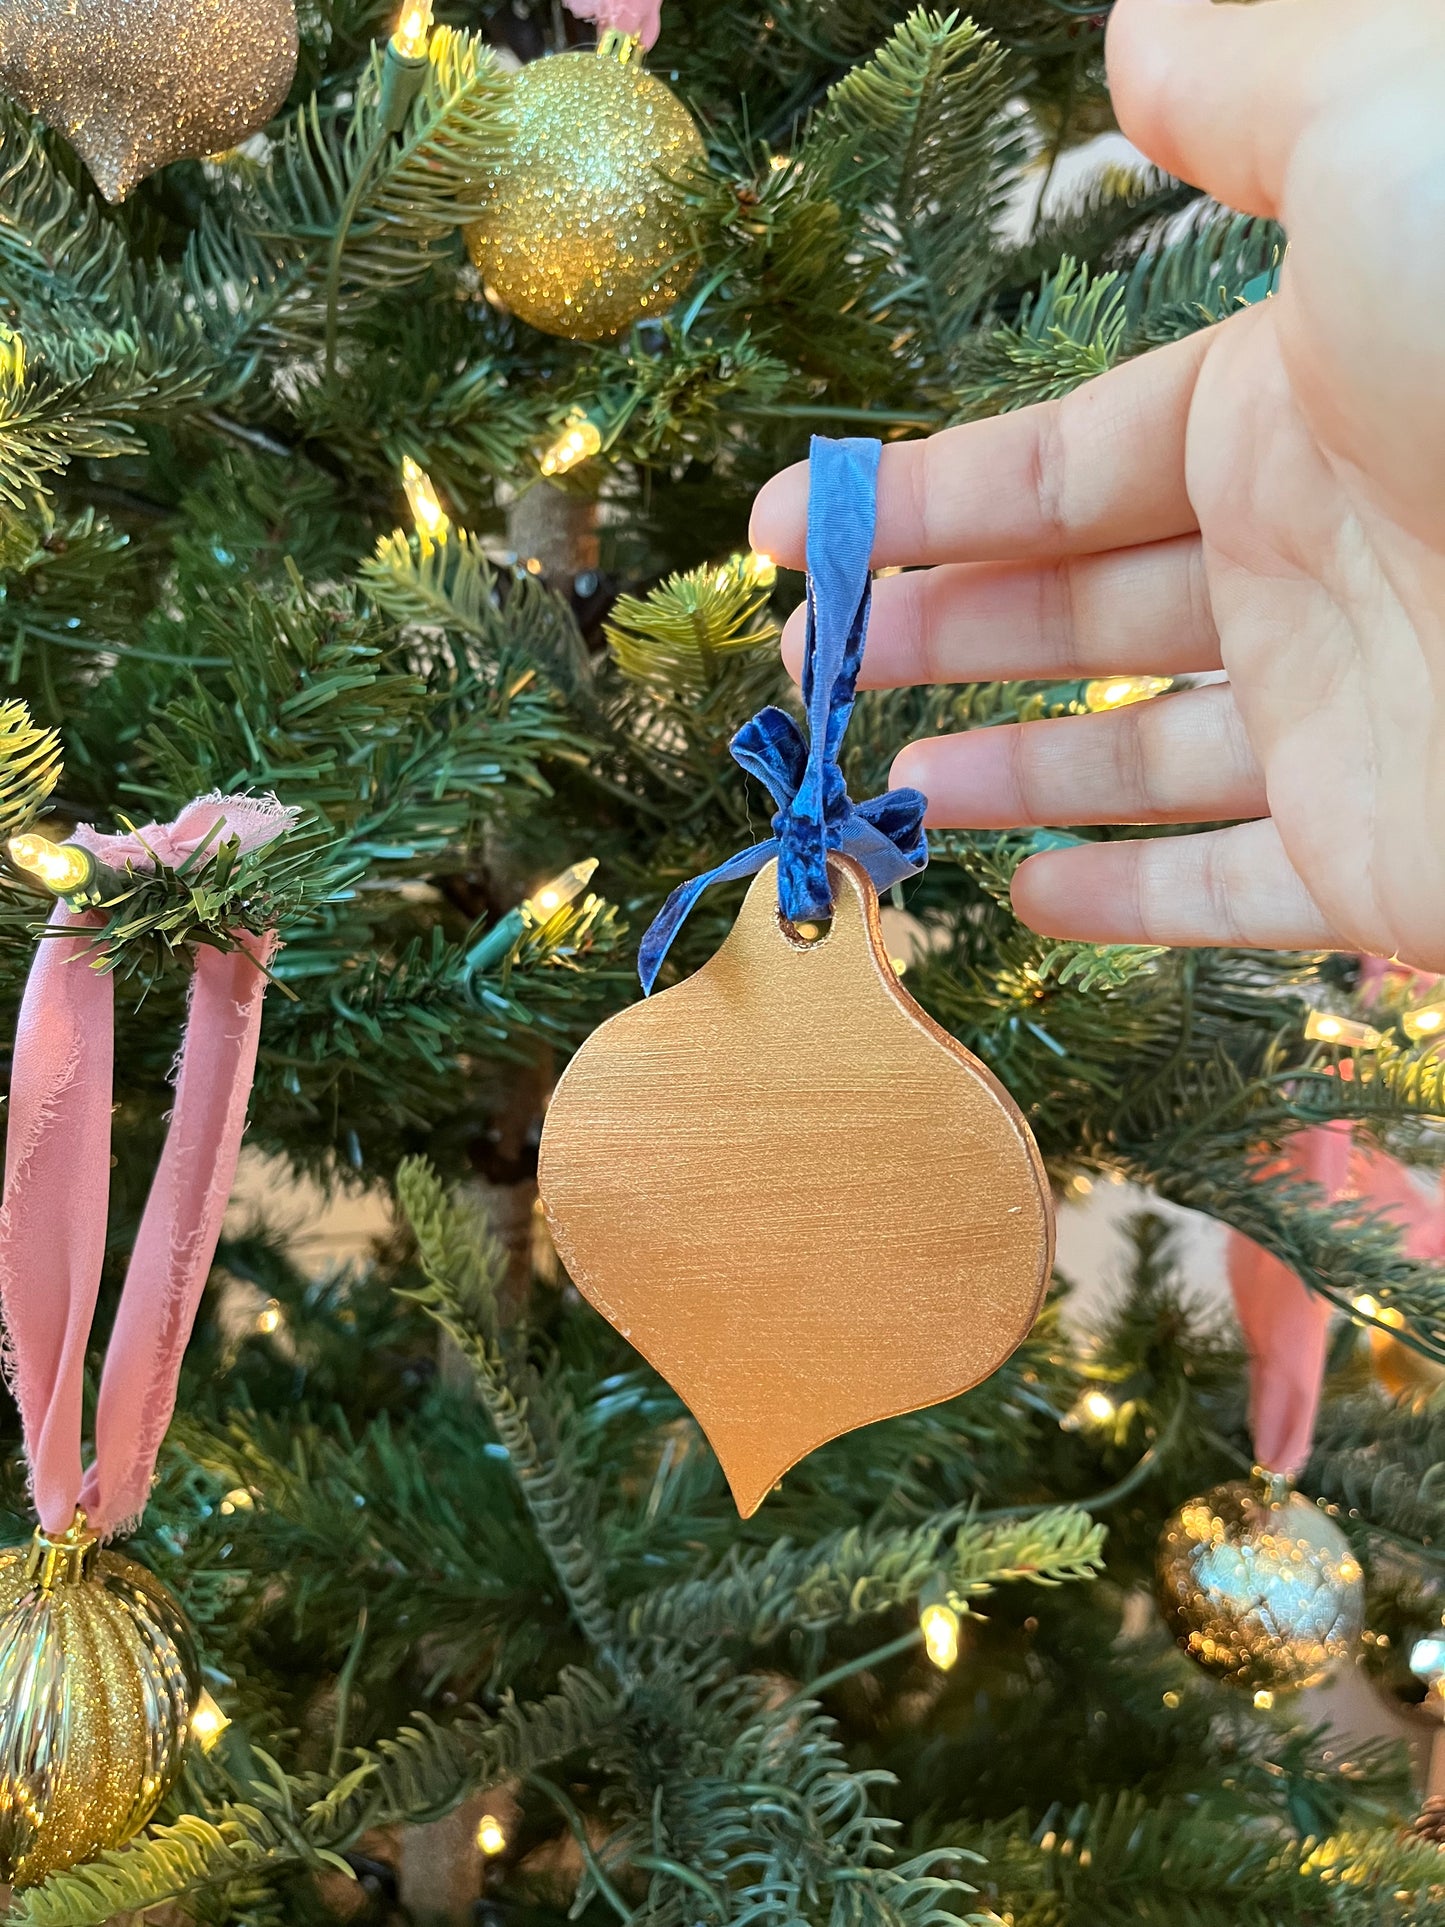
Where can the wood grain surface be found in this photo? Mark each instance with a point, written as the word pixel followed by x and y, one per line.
pixel 800 1199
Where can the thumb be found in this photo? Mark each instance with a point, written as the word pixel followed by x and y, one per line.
pixel 1220 94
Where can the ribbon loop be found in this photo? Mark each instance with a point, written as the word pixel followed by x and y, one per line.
pixel 57 1182
pixel 815 813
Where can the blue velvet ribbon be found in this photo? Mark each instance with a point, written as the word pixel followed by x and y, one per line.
pixel 815 813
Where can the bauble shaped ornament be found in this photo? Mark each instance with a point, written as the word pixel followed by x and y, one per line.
pixel 802 1201
pixel 135 84
pixel 585 230
pixel 98 1679
pixel 1259 1586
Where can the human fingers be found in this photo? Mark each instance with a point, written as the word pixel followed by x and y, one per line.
pixel 1101 469
pixel 1126 611
pixel 1220 95
pixel 1234 886
pixel 1180 759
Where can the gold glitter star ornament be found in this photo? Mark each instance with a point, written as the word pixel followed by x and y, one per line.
pixel 585 230
pixel 135 84
pixel 98 1678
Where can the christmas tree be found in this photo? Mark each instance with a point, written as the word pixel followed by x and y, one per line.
pixel 296 501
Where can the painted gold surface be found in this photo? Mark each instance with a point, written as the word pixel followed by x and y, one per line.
pixel 1260 1586
pixel 800 1199
pixel 584 233
pixel 97 1679
pixel 135 84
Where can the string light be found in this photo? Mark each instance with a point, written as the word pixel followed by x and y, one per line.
pixel 578 442
pixel 1118 692
pixel 491 1836
pixel 413 30
pixel 780 163
pixel 431 519
pixel 1100 1407
pixel 1264 1699
pixel 550 898
pixel 208 1722
pixel 270 1317
pixel 1370 1307
pixel 1427 1021
pixel 63 868
pixel 1324 1027
pixel 12 358
pixel 238 1499
pixel 543 903
pixel 940 1626
pixel 1427 1660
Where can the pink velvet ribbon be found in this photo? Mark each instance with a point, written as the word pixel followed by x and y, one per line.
pixel 1285 1325
pixel 57 1182
pixel 640 18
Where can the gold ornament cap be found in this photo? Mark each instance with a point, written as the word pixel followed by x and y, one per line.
pixel 63 1558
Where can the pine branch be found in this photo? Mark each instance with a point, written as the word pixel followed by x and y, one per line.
pixel 678 638
pixel 859 1573
pixel 29 768
pixel 926 116
pixel 422 1773
pixel 461 1264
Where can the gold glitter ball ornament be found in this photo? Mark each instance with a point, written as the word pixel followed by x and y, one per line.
pixel 1260 1586
pixel 98 1678
pixel 585 230
pixel 135 84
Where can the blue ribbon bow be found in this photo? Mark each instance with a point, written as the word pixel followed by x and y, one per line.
pixel 815 813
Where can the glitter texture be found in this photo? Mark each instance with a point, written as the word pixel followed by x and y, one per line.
pixel 584 233
pixel 97 1679
pixel 135 84
pixel 1260 1586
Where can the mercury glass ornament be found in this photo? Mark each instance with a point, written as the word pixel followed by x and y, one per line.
pixel 98 1677
pixel 134 84
pixel 585 230
pixel 1259 1586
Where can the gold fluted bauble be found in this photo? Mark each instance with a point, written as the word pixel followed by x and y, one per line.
pixel 98 1677
pixel 135 84
pixel 1260 1586
pixel 585 230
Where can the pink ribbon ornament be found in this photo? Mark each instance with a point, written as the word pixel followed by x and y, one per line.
pixel 1285 1325
pixel 57 1182
pixel 642 19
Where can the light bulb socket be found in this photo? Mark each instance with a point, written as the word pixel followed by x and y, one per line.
pixel 402 77
pixel 495 945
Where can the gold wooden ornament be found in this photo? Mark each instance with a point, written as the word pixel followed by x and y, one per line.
pixel 802 1201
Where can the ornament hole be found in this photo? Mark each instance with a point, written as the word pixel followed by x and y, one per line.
pixel 808 935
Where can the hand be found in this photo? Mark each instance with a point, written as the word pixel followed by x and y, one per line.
pixel 1267 496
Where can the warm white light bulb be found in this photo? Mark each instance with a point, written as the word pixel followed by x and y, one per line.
pixel 577 443
pixel 939 1625
pixel 61 867
pixel 1118 692
pixel 548 898
pixel 1427 1021
pixel 1100 1407
pixel 208 1722
pixel 491 1836
pixel 413 30
pixel 270 1317
pixel 430 517
pixel 1324 1027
